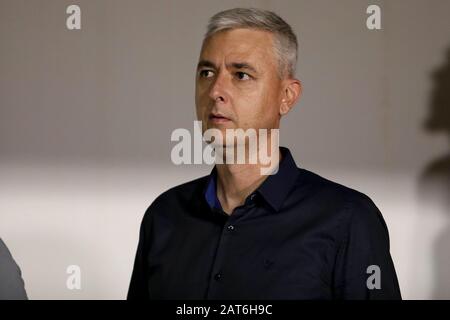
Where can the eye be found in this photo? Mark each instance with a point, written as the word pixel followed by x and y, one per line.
pixel 206 73
pixel 243 76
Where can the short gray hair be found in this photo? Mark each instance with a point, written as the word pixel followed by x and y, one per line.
pixel 285 40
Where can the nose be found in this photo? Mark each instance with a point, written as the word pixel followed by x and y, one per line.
pixel 219 91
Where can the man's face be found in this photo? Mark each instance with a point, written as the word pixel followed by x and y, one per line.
pixel 237 78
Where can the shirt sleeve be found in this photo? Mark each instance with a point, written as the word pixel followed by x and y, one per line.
pixel 12 286
pixel 364 269
pixel 139 279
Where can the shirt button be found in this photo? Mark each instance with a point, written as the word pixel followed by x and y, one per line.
pixel 252 197
pixel 217 276
pixel 231 228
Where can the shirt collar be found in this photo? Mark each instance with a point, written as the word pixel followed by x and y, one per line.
pixel 274 189
pixel 210 192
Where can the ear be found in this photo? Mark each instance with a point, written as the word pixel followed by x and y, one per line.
pixel 292 90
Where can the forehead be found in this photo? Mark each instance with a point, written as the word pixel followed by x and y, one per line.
pixel 254 46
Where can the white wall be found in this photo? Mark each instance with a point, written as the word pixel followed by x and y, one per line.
pixel 86 117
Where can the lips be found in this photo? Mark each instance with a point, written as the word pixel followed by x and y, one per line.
pixel 218 117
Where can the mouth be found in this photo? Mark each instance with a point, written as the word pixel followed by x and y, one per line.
pixel 218 118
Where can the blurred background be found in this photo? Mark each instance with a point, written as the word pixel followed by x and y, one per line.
pixel 86 117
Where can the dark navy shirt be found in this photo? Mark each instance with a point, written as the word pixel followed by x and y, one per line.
pixel 297 236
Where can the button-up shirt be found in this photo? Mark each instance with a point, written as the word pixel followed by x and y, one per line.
pixel 297 236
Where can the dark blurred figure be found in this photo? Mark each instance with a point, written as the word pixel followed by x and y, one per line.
pixel 11 282
pixel 435 179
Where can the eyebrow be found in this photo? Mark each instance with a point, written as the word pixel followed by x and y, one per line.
pixel 236 65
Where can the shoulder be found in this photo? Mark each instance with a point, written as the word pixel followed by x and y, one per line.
pixel 11 282
pixel 354 208
pixel 5 255
pixel 180 195
pixel 322 188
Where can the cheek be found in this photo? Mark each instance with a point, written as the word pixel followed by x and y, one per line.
pixel 272 102
pixel 261 109
pixel 252 113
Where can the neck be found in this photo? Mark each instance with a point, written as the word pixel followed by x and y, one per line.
pixel 235 182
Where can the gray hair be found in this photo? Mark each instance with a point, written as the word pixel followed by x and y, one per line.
pixel 285 40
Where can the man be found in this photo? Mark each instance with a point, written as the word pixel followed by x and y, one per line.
pixel 11 283
pixel 238 234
